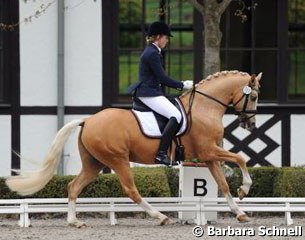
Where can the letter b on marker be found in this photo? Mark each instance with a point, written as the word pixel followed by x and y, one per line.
pixel 200 189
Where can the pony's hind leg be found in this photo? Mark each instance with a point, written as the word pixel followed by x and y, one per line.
pixel 219 177
pixel 90 169
pixel 127 181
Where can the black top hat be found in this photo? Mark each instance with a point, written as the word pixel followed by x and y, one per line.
pixel 159 28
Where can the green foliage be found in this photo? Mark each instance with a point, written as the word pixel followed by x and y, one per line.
pixel 128 71
pixel 297 73
pixel 164 182
pixel 151 182
pixel 173 180
pixel 56 188
pixel 290 182
pixel 154 184
pixel 130 12
pixel 271 182
pixel 132 39
pixel 296 11
pixel 5 193
pixel 263 180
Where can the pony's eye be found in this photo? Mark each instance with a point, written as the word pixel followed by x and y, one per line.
pixel 253 98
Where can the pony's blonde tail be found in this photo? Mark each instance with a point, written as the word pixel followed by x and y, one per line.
pixel 30 182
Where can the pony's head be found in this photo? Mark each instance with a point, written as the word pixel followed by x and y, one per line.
pixel 245 102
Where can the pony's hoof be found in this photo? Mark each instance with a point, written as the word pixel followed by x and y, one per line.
pixel 166 221
pixel 243 218
pixel 241 193
pixel 78 224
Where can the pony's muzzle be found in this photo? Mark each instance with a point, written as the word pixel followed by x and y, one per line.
pixel 251 126
pixel 248 124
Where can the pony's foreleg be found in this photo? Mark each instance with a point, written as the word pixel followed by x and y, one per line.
pixel 153 212
pixel 128 185
pixel 240 215
pixel 223 155
pixel 247 181
pixel 219 177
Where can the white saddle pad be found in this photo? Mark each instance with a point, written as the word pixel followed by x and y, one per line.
pixel 149 124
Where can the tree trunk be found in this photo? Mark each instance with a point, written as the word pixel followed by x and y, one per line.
pixel 211 11
pixel 212 37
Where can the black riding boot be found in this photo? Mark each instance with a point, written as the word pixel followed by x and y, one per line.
pixel 166 140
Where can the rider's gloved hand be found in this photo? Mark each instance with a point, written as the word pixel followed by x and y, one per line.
pixel 188 84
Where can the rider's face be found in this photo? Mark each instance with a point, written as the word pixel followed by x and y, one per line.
pixel 162 40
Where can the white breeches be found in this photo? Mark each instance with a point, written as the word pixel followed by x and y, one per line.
pixel 163 106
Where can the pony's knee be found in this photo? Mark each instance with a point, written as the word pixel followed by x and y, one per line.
pixel 241 161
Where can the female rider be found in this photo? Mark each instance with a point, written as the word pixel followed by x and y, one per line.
pixel 150 88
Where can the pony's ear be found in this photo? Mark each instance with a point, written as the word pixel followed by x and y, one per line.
pixel 259 76
pixel 252 81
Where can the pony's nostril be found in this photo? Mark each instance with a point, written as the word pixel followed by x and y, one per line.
pixel 252 126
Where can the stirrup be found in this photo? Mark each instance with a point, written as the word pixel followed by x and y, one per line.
pixel 162 158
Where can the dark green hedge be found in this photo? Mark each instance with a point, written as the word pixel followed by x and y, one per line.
pixel 272 182
pixel 290 182
pixel 263 179
pixel 151 182
pixel 164 182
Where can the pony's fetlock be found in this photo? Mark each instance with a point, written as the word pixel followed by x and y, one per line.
pixel 243 218
pixel 164 220
pixel 77 223
pixel 243 191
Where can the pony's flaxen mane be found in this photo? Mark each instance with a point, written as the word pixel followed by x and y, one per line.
pixel 220 74
pixel 216 75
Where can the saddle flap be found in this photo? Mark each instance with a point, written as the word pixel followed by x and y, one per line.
pixel 151 123
pixel 138 105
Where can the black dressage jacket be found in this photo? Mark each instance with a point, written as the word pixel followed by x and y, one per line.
pixel 152 77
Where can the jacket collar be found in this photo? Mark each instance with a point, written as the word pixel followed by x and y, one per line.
pixel 159 49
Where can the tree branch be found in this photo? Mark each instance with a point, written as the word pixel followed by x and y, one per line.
pixel 197 6
pixel 223 6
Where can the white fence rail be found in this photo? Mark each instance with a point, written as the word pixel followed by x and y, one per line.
pixel 24 207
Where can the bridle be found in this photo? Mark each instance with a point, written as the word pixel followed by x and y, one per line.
pixel 244 111
pixel 242 114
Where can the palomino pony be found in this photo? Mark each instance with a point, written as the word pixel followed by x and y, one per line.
pixel 113 138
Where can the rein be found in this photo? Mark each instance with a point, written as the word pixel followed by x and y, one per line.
pixel 244 110
pixel 242 113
